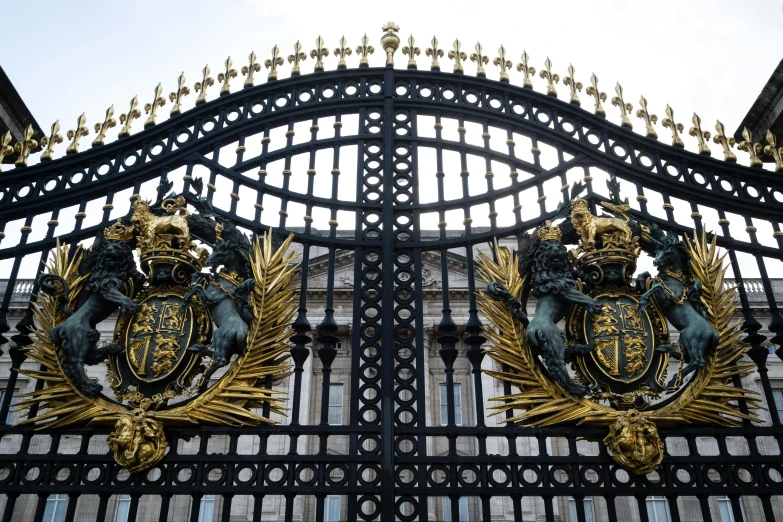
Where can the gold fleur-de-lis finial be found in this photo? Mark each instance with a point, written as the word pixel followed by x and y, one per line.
pixel 364 50
pixel 319 53
pixel 102 128
pixel 251 68
pixel 412 51
pixel 649 119
pixel 676 128
pixel 390 41
pixel 526 71
pixel 458 56
pixel 176 97
pixel 480 60
pixel 201 87
pixel 625 108
pixel 127 118
pixel 573 85
pixel 5 147
pixel 295 59
pixel 725 142
pixel 701 136
pixel 434 52
pixel 276 60
pixel 53 139
pixel 598 96
pixel 771 149
pixel 152 108
pixel 753 149
pixel 225 77
pixel 76 134
pixel 505 65
pixel 25 147
pixel 551 79
pixel 341 52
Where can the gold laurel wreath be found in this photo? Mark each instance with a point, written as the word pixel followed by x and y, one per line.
pixel 227 402
pixel 710 398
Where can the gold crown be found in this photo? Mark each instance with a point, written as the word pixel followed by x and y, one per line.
pixel 549 232
pixel 119 232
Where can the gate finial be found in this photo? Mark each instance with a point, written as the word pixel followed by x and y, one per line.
pixel 753 149
pixel 597 95
pixel 152 108
pixel 176 97
pixel 201 87
pixel 480 60
pixel 76 135
pixel 101 128
pixel 412 51
pixel 225 77
pixel 505 65
pixel 252 67
pixel 24 148
pixel 319 53
pixel 53 139
pixel 5 147
pixel 573 84
pixel 625 108
pixel 132 114
pixel 701 136
pixel 648 118
pixel 551 79
pixel 342 52
pixel 390 41
pixel 295 58
pixel 526 71
pixel 457 55
pixel 676 128
pixel 364 50
pixel 725 142
pixel 434 52
pixel 772 150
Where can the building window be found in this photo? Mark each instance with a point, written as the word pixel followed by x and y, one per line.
pixel 658 509
pixel 332 509
pixel 122 510
pixel 724 506
pixel 207 511
pixel 778 396
pixel 336 404
pixel 444 405
pixel 12 415
pixel 463 509
pixel 55 508
pixel 589 509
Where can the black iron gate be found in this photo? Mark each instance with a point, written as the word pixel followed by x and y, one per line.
pixel 545 145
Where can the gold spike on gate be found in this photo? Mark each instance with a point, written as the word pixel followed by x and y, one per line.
pixel 101 128
pixel 412 51
pixel 480 60
pixel 152 108
pixel 364 50
pixel 54 138
pixel 127 118
pixel 726 142
pixel 505 65
pixel 753 149
pixel 551 79
pixel 702 137
pixel 434 52
pixel 597 95
pixel 225 77
pixel 458 56
pixel 76 134
pixel 5 147
pixel 248 70
pixel 341 52
pixel 201 87
pixel 176 97
pixel 295 59
pixel 625 108
pixel 319 53
pixel 772 149
pixel 25 147
pixel 676 128
pixel 574 85
pixel 649 119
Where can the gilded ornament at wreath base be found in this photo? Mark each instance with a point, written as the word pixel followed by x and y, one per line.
pixel 634 443
pixel 138 442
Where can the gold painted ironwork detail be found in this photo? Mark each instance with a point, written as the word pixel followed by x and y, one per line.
pixel 341 52
pixel 127 118
pixel 458 56
pixel 676 128
pixel 412 51
pixel 364 50
pixel 753 149
pixel 138 441
pixel 598 96
pixel 504 64
pixel 480 59
pixel 635 443
pixel 201 87
pixel 390 41
pixel 550 77
pixel 101 128
pixel 176 97
pixel 725 142
pixel 295 59
pixel 25 147
pixel 152 107
pixel 527 71
pixel 75 135
pixel 434 52
pixel 625 108
pixel 649 119
pixel 702 137
pixel 5 147
pixel 573 85
pixel 225 76
pixel 772 150
pixel 54 138
pixel 250 69
pixel 319 53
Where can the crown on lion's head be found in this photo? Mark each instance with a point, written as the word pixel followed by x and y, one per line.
pixel 119 232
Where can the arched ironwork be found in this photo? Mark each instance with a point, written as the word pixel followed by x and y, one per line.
pixel 495 152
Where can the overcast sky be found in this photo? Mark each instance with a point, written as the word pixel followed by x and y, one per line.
pixel 711 58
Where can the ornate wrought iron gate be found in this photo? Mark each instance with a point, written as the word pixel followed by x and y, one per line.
pixel 387 472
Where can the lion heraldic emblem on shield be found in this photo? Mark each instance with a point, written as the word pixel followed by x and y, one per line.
pixel 614 365
pixel 177 326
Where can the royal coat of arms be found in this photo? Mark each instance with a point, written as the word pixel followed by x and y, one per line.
pixel 189 346
pixel 614 364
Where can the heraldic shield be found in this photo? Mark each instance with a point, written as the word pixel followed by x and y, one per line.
pixel 614 365
pixel 189 346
